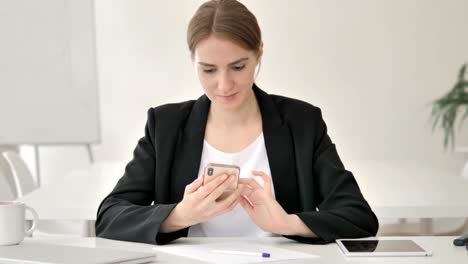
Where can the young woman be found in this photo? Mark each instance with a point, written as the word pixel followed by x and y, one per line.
pixel 292 181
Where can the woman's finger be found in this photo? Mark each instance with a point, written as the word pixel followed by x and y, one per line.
pixel 247 206
pixel 244 189
pixel 229 203
pixel 250 182
pixel 208 188
pixel 216 193
pixel 266 179
pixel 193 186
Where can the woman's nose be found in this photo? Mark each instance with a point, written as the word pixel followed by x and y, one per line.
pixel 225 82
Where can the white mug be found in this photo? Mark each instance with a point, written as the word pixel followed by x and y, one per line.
pixel 12 222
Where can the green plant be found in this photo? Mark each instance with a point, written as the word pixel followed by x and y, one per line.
pixel 447 108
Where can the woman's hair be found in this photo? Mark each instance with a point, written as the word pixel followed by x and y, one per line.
pixel 225 18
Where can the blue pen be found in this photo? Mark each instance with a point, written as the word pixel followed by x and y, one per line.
pixel 242 253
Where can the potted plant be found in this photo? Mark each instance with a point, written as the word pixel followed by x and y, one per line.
pixel 453 105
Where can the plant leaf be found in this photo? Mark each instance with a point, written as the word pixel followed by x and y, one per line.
pixel 445 109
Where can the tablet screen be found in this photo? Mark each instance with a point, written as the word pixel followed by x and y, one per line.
pixel 381 246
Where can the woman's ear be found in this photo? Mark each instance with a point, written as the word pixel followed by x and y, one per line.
pixel 260 53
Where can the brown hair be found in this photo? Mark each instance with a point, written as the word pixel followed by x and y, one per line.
pixel 226 18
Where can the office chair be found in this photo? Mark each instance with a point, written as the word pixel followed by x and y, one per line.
pixel 24 182
pixel 7 185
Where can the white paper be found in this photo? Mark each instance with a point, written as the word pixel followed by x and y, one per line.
pixel 204 252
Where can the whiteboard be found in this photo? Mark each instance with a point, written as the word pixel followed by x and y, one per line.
pixel 48 79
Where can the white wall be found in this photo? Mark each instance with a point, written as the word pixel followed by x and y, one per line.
pixel 372 66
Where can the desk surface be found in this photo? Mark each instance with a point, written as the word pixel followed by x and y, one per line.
pixel 392 190
pixel 442 248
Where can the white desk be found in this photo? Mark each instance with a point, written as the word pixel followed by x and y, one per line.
pixel 393 191
pixel 397 190
pixel 442 248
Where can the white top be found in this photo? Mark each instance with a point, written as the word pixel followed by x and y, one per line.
pixel 237 222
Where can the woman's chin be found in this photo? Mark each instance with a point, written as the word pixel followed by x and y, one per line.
pixel 228 106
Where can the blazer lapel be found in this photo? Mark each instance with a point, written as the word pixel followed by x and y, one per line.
pixel 280 151
pixel 189 148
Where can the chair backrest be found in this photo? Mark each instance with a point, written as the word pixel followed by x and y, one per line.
pixel 7 182
pixel 21 173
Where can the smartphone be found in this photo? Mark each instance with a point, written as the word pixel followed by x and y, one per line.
pixel 213 170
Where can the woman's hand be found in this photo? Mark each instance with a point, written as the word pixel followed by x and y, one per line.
pixel 265 211
pixel 201 203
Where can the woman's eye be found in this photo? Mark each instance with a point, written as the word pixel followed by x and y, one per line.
pixel 239 68
pixel 208 70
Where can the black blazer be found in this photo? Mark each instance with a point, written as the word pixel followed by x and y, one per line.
pixel 308 176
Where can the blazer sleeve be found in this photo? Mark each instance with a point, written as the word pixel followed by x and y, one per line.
pixel 127 213
pixel 342 210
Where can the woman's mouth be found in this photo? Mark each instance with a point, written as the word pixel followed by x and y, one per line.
pixel 227 98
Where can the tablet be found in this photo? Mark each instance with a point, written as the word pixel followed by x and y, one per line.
pixel 381 248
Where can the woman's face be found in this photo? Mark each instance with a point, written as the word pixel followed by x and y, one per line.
pixel 226 71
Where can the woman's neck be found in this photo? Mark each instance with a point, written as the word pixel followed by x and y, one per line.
pixel 246 114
